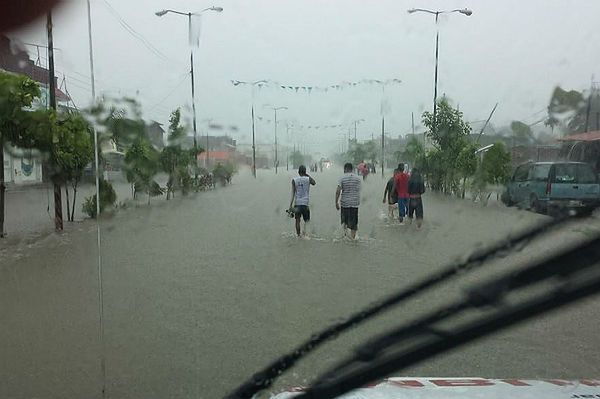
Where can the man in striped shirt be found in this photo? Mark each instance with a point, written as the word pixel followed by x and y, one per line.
pixel 347 196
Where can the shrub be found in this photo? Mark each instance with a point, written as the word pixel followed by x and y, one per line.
pixel 108 197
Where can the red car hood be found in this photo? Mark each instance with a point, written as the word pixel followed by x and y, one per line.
pixel 469 388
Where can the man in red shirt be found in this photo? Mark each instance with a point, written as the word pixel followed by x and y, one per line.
pixel 401 183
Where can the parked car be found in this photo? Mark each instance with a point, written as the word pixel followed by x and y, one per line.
pixel 553 187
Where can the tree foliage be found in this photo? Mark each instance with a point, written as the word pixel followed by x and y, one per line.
pixel 414 153
pixel 521 132
pixel 449 129
pixel 449 135
pixel 175 160
pixel 108 197
pixel 466 164
pixel 71 151
pixel 297 159
pixel 496 164
pixel 19 125
pixel 572 111
pixel 358 152
pixel 141 166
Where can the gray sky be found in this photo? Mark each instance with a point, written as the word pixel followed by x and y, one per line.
pixel 511 52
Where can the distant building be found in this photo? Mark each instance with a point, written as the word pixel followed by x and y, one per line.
pixel 220 149
pixel 156 134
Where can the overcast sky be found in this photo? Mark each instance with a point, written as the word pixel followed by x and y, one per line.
pixel 511 52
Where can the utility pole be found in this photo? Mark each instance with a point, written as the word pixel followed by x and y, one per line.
pixel 58 218
pixel 382 145
pixel 435 85
pixel 253 145
pixel 98 240
pixel 194 103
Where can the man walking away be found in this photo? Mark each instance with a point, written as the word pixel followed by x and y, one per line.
pixel 347 196
pixel 300 192
pixel 391 197
pixel 416 188
pixel 401 182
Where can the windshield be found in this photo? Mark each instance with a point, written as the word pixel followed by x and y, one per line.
pixel 191 191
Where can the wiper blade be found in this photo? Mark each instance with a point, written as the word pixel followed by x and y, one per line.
pixel 265 378
pixel 581 264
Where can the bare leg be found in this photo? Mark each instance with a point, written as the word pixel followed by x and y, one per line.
pixel 305 232
pixel 345 230
pixel 353 234
pixel 298 226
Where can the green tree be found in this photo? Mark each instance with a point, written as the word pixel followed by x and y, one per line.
pixel 71 151
pixel 521 132
pixel 496 164
pixel 142 163
pixel 433 169
pixel 466 164
pixel 492 171
pixel 566 109
pixel 108 197
pixel 297 159
pixel 17 124
pixel 414 153
pixel 175 160
pixel 448 129
pixel 357 152
pixel 223 173
pixel 448 133
pixel 573 111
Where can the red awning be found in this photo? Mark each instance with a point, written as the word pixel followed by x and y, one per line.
pixel 589 136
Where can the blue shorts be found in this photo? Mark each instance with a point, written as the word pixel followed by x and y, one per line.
pixel 402 205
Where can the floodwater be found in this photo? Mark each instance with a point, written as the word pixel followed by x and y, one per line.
pixel 202 291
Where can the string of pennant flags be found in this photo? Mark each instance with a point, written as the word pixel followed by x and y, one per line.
pixel 309 89
pixel 267 120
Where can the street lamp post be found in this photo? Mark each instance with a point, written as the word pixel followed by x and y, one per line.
pixel 189 15
pixel 253 84
pixel 356 122
pixel 275 109
pixel 464 11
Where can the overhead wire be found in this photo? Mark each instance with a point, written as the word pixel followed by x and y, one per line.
pixel 134 33
pixel 158 103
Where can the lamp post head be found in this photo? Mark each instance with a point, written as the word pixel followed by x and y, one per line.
pixel 217 9
pixel 466 12
pixel 161 13
pixel 412 10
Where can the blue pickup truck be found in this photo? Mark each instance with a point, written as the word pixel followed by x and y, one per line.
pixel 553 187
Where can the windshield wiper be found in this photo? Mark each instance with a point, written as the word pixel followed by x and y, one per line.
pixel 575 273
pixel 265 378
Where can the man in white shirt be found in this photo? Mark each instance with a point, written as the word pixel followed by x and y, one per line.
pixel 347 196
pixel 300 193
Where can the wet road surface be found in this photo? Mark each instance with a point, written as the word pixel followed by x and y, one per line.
pixel 202 291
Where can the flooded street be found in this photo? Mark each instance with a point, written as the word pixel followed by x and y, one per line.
pixel 201 291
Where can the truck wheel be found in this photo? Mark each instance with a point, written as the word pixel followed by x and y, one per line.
pixel 534 204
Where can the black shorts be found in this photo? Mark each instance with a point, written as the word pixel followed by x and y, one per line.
pixel 302 210
pixel 350 218
pixel 415 205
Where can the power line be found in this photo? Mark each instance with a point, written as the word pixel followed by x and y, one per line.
pixel 183 79
pixel 135 34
